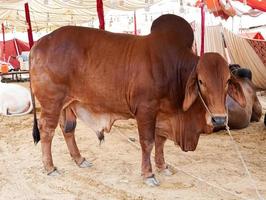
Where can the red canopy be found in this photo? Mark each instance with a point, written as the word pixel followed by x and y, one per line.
pixel 253 35
pixel 13 48
pixel 224 9
pixel 256 4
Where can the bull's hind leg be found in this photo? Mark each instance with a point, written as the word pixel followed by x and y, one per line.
pixel 51 99
pixel 159 156
pixel 48 122
pixel 67 123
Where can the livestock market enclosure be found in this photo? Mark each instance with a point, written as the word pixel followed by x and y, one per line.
pixel 213 171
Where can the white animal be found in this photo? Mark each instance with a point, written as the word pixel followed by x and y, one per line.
pixel 15 100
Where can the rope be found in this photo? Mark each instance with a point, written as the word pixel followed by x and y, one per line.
pixel 205 105
pixel 191 175
pixel 260 197
pixel 236 148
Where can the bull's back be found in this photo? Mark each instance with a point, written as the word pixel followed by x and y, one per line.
pixel 93 66
pixel 74 49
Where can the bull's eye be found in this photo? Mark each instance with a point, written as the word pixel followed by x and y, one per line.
pixel 200 82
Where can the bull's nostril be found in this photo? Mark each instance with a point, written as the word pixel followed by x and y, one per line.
pixel 218 121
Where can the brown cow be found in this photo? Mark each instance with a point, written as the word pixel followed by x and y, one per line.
pixel 239 117
pixel 101 77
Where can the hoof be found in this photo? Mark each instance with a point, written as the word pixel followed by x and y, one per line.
pixel 166 171
pixel 54 172
pixel 151 181
pixel 85 164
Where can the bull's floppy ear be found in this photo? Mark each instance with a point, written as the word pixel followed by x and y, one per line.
pixel 191 91
pixel 236 92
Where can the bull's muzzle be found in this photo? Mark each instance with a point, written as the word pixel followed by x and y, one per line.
pixel 218 121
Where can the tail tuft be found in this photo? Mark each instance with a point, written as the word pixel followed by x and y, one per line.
pixel 35 131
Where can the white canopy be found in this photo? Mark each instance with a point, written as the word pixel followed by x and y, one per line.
pixel 53 13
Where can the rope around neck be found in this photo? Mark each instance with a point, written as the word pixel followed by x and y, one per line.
pixel 205 105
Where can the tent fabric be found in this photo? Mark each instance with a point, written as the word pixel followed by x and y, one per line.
pixel 194 46
pixel 259 47
pixel 243 53
pixel 230 8
pixel 219 9
pixel 11 51
pixel 246 52
pixel 213 39
pixel 253 35
pixel 243 9
pixel 50 14
pixel 46 15
pixel 256 4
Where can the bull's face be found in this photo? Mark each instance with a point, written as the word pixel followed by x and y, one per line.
pixel 211 81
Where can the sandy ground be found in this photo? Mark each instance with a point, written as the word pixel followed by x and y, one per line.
pixel 213 171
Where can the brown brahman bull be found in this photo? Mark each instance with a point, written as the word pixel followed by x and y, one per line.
pixel 101 77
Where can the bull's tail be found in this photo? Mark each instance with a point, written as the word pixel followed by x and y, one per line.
pixel 265 119
pixel 35 130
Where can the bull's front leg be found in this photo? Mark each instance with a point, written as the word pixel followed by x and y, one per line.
pixel 146 127
pixel 159 156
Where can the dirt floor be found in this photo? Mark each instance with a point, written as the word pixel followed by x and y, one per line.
pixel 213 171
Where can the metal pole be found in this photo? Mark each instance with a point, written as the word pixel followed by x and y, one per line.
pixel 16 46
pixel 29 30
pixel 4 42
pixel 100 14
pixel 135 24
pixel 202 28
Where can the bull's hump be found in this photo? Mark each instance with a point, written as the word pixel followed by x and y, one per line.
pixel 174 26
